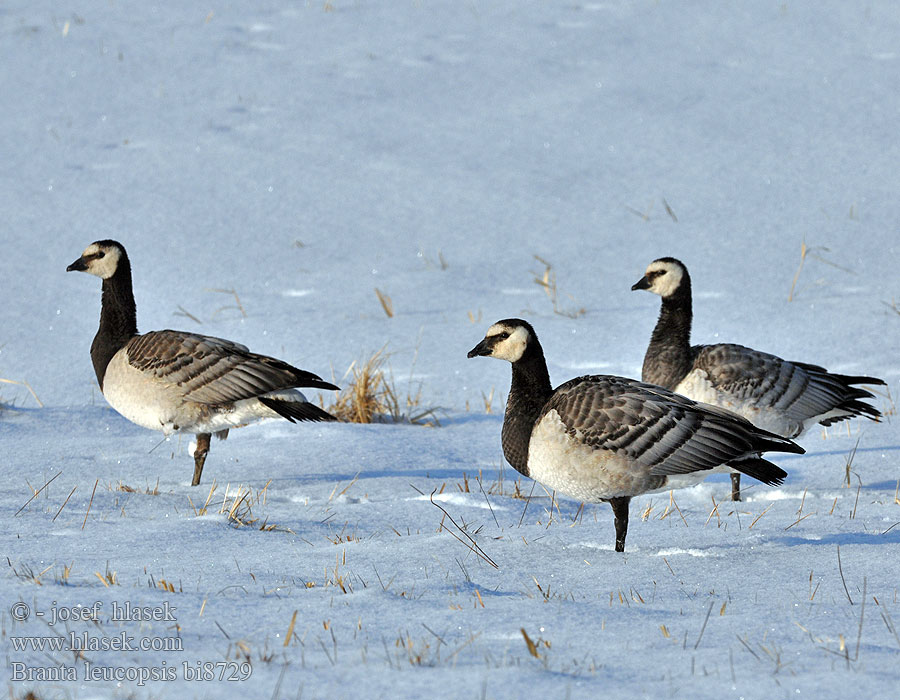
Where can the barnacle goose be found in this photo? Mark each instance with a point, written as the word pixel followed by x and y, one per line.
pixel 606 438
pixel 175 381
pixel 782 397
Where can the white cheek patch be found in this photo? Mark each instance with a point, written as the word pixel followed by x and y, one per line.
pixel 104 267
pixel 667 284
pixel 512 348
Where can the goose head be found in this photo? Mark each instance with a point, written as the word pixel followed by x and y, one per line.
pixel 510 340
pixel 664 276
pixel 101 258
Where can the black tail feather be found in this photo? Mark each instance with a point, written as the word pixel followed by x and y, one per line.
pixel 760 469
pixel 855 409
pixel 297 410
pixel 845 379
pixel 764 441
pixel 848 380
pixel 308 380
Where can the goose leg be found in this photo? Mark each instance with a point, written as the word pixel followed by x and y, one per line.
pixel 620 511
pixel 735 487
pixel 200 456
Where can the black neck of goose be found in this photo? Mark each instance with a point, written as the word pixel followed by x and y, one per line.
pixel 529 392
pixel 118 318
pixel 669 358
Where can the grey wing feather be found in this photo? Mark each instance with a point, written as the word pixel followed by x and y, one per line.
pixel 658 430
pixel 798 391
pixel 212 370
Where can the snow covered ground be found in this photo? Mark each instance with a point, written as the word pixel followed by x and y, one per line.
pixel 304 154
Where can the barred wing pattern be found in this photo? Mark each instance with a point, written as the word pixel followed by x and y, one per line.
pixel 214 371
pixel 798 391
pixel 655 429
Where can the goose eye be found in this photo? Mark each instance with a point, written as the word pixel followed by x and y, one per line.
pixel 101 254
pixel 502 336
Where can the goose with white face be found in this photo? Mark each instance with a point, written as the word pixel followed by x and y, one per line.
pixel 175 381
pixel 100 259
pixel 662 277
pixel 504 341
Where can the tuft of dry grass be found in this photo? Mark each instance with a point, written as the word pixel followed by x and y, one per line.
pixel 29 695
pixel 122 486
pixel 237 506
pixel 27 574
pixel 163 584
pixel 109 578
pixel 371 397
pixel 848 463
pixel 488 401
pixel 62 577
pixel 441 261
pixel 237 302
pixel 547 281
pixel 813 252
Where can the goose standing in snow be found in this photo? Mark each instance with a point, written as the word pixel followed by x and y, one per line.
pixel 184 382
pixel 782 397
pixel 606 438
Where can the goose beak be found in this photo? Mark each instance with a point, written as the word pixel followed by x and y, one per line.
pixel 642 283
pixel 483 349
pixel 78 266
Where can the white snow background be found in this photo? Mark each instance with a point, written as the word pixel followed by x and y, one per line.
pixel 304 154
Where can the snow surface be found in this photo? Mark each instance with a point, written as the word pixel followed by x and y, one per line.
pixel 304 154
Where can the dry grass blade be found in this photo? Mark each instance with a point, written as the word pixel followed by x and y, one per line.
pixel 841 571
pixel 532 648
pixel 799 520
pixel 760 515
pixel 483 493
pixel 527 501
pixel 893 306
pixel 714 511
pixel 290 631
pixel 669 210
pixel 35 494
pixel 803 251
pixel 889 623
pixel 386 302
pixel 187 314
pixel 812 252
pixel 849 462
pixel 488 401
pixel 547 281
pixel 237 300
pixel 64 502
pixel 471 544
pixel 27 386
pixel 637 212
pixel 705 620
pixel 90 503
